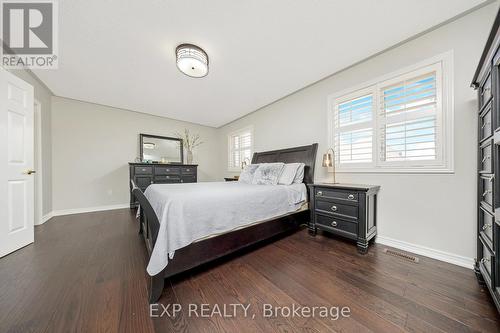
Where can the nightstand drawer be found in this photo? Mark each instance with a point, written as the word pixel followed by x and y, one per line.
pixel 334 208
pixel 334 224
pixel 326 194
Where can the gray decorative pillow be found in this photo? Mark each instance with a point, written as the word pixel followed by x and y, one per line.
pixel 268 173
pixel 247 174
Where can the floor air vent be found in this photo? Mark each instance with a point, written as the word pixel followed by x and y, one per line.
pixel 401 255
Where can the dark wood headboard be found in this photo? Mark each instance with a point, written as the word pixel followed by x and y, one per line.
pixel 304 154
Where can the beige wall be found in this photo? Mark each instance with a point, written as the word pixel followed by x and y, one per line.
pixel 434 211
pixel 92 145
pixel 42 95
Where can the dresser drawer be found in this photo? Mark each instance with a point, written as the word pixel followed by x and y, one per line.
pixel 326 194
pixel 188 170
pixel 486 164
pixel 486 262
pixel 334 208
pixel 188 179
pixel 337 225
pixel 167 170
pixel 485 90
pixel 143 170
pixel 143 182
pixel 486 189
pixel 167 179
pixel 486 125
pixel 486 224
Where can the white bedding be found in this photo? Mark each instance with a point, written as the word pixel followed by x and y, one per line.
pixel 189 212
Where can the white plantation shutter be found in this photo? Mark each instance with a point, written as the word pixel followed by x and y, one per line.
pixel 401 122
pixel 240 148
pixel 353 128
pixel 409 118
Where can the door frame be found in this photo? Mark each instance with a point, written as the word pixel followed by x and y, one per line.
pixel 37 113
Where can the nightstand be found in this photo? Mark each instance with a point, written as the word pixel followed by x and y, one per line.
pixel 346 210
pixel 232 179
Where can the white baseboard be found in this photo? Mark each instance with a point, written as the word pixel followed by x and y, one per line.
pixel 428 252
pixel 45 218
pixel 87 209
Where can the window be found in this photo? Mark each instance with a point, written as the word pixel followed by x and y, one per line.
pixel 240 145
pixel 399 123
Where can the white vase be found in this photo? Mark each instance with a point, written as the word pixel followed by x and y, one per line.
pixel 189 157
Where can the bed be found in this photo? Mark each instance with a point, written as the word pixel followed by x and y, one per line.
pixel 177 238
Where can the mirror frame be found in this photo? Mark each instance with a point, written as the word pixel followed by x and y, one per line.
pixel 141 143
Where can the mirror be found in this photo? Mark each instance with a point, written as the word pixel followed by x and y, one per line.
pixel 160 149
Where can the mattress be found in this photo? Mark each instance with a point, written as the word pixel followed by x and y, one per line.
pixel 192 212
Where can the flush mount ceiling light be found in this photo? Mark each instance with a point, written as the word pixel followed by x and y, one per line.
pixel 192 60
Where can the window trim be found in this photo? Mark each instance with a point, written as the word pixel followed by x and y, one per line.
pixel 229 147
pixel 446 117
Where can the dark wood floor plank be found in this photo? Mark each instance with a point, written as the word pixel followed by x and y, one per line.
pixel 435 301
pixel 366 311
pixel 470 294
pixel 86 273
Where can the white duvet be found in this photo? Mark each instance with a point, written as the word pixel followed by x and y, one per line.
pixel 189 212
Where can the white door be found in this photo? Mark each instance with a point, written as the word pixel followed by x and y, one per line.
pixel 16 163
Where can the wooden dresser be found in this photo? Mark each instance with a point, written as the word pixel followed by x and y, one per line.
pixel 145 174
pixel 487 83
pixel 346 210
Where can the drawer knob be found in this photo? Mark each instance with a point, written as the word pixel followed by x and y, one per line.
pixel 151 182
pixel 143 169
pixel 350 196
pixel 333 224
pixel 334 208
pixel 485 260
pixel 188 169
pixel 486 226
pixel 486 192
pixel 182 181
pixel 319 193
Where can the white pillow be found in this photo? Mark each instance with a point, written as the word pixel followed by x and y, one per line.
pixel 288 175
pixel 268 174
pixel 247 174
pixel 299 176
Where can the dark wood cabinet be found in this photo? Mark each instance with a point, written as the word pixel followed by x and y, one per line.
pixel 345 210
pixel 145 174
pixel 487 83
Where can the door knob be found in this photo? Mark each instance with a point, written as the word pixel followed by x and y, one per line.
pixel 29 172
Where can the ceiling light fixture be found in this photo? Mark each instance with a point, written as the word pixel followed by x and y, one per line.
pixel 192 60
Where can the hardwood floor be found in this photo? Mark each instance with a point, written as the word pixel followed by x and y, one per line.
pixel 86 273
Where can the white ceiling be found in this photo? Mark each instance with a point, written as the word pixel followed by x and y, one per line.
pixel 121 53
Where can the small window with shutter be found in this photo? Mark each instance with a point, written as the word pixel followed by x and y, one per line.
pixel 402 122
pixel 240 145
